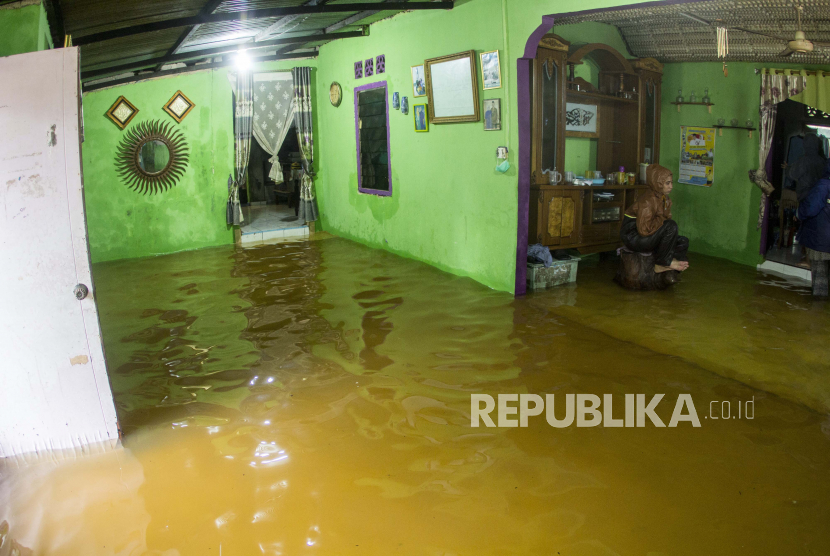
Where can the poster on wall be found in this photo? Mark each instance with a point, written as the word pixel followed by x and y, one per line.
pixel 697 156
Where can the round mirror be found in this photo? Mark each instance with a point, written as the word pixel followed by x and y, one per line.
pixel 153 156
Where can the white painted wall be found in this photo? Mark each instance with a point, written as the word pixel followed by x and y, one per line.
pixel 54 391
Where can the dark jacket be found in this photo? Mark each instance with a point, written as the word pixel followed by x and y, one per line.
pixel 808 169
pixel 814 213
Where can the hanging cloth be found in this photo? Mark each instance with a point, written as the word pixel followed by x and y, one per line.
pixel 273 114
pixel 305 137
pixel 775 88
pixel 242 129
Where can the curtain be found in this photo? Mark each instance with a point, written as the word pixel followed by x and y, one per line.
pixel 242 125
pixel 775 88
pixel 305 137
pixel 816 92
pixel 273 113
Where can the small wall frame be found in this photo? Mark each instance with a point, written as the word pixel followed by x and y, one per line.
pixel 582 120
pixel 122 112
pixel 179 106
pixel 452 88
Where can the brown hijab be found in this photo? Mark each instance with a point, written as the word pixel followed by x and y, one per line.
pixel 652 207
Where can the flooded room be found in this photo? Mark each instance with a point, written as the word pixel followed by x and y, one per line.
pixel 440 278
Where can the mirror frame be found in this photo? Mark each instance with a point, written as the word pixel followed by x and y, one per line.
pixel 129 151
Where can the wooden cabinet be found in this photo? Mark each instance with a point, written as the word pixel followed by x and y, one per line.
pixel 578 217
pixel 627 96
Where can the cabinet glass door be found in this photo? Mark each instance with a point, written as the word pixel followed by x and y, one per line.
pixel 550 114
pixel 650 127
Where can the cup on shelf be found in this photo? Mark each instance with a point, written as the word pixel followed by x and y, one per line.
pixel 734 122
pixel 721 121
pixel 597 175
pixel 569 177
pixel 749 123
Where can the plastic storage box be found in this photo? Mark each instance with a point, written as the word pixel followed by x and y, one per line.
pixel 560 272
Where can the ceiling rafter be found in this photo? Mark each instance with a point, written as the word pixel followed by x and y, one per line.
pixel 207 9
pixel 256 14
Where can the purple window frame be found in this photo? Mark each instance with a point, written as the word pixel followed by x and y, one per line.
pixel 360 188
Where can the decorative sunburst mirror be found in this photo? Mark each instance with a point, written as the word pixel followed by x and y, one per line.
pixel 152 157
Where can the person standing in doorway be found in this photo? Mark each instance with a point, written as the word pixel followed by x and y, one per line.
pixel 814 213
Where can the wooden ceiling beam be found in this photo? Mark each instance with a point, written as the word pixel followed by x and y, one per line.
pixel 283 22
pixel 257 14
pixel 196 55
pixel 207 9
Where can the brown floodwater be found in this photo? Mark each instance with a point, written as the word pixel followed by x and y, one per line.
pixel 313 397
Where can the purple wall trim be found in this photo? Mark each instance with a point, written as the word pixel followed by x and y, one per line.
pixel 360 188
pixel 524 111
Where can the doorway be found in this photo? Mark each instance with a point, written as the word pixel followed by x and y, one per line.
pixel 270 209
pixel 781 248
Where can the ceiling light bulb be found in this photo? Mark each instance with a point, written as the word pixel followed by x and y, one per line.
pixel 243 62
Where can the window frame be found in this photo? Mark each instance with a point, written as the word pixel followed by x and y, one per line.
pixel 357 91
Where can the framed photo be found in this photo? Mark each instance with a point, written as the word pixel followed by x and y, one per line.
pixel 581 120
pixel 452 88
pixel 492 114
pixel 421 120
pixel 491 70
pixel 419 83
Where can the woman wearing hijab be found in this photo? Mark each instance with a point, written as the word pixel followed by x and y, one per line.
pixel 648 227
pixel 814 213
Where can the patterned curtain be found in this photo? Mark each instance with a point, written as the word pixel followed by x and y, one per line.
pixel 242 124
pixel 775 88
pixel 273 113
pixel 305 137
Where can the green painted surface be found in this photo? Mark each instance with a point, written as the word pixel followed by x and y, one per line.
pixel 449 206
pixel 125 224
pixel 23 30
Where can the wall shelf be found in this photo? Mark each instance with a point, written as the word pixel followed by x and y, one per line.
pixel 722 127
pixel 602 96
pixel 707 104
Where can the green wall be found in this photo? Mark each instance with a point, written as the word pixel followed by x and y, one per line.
pixel 719 220
pixel 23 29
pixel 125 224
pixel 449 206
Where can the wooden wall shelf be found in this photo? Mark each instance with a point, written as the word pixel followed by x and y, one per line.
pixel 722 127
pixel 603 96
pixel 707 104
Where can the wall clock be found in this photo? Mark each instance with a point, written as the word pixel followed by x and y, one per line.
pixel 335 94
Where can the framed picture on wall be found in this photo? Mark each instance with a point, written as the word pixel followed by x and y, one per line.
pixel 419 83
pixel 452 88
pixel 581 120
pixel 420 112
pixel 491 70
pixel 492 114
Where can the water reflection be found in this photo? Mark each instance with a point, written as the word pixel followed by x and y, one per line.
pixel 313 397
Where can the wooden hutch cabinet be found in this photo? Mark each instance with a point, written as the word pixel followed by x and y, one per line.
pixel 627 97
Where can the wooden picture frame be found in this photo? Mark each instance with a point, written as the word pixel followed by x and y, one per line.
pixel 179 106
pixel 590 127
pixel 122 112
pixel 452 88
pixel 493 81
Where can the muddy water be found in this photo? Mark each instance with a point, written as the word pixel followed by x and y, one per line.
pixel 314 398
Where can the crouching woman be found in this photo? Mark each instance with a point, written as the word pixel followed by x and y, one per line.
pixel 648 227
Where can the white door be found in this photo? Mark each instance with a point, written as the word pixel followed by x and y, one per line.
pixel 54 391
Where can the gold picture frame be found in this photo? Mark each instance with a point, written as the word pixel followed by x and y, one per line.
pixel 179 106
pixel 419 87
pixel 490 75
pixel 449 78
pixel 122 112
pixel 590 130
